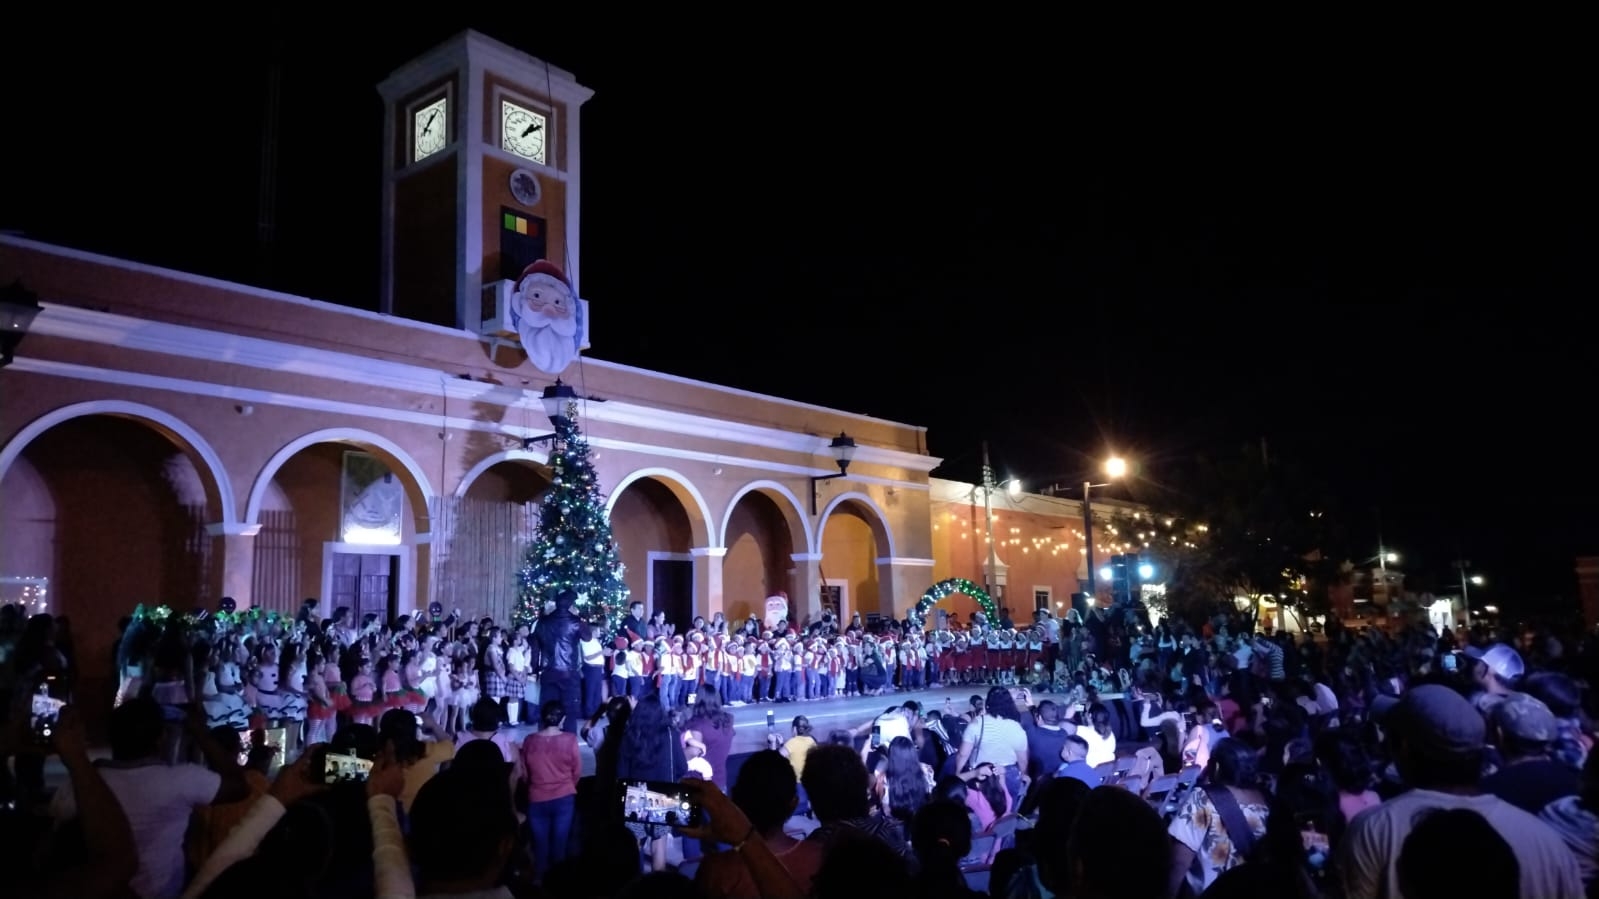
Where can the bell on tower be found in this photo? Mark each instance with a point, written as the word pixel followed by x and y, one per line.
pixel 481 196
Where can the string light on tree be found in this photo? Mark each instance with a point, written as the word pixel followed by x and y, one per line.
pixel 574 549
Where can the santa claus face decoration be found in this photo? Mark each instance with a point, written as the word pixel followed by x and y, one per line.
pixel 547 317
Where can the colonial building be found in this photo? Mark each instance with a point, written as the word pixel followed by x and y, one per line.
pixel 172 438
pixel 1039 558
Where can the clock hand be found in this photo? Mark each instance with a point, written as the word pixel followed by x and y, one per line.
pixel 429 126
pixel 531 128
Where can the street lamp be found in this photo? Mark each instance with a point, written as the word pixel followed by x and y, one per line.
pixel 557 399
pixel 1476 579
pixel 1115 467
pixel 843 450
pixel 18 306
pixel 1013 489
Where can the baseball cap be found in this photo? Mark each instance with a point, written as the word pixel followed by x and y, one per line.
pixel 1525 719
pixel 1503 661
pixel 1435 721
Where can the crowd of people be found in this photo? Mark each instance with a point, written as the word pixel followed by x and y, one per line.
pixel 299 755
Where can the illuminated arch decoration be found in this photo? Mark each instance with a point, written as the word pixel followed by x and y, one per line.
pixel 947 588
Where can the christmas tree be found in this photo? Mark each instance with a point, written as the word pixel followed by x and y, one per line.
pixel 573 549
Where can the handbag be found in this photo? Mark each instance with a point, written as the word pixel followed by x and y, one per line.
pixel 977 746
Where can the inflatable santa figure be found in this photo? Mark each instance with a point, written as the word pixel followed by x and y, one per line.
pixel 547 317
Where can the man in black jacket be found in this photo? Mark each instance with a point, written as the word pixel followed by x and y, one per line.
pixel 560 674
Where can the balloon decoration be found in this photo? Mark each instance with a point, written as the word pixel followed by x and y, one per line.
pixel 946 588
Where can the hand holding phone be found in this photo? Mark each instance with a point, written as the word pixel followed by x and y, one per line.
pixel 341 768
pixel 658 803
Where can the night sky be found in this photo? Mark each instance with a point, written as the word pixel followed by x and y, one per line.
pixel 1385 271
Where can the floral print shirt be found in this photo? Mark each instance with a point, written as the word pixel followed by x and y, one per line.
pixel 1199 827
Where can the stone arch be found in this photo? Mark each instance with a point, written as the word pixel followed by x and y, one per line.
pixel 418 488
pixel 798 524
pixel 536 457
pixel 218 484
pixel 699 512
pixel 877 520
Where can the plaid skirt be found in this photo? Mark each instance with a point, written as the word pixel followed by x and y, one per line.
pixel 496 685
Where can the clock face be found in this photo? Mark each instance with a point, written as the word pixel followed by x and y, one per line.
pixel 430 129
pixel 522 131
pixel 525 187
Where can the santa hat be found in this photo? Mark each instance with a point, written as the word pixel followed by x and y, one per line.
pixel 545 267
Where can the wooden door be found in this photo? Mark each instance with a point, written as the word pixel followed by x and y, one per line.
pixel 672 591
pixel 365 583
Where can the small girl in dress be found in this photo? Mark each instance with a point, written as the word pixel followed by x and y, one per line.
pixel 428 669
pixel 365 707
pixel 264 683
pixel 292 690
pixel 518 665
pixel 415 701
pixel 389 678
pixel 464 686
pixel 224 706
pixel 333 675
pixel 321 714
pixel 444 685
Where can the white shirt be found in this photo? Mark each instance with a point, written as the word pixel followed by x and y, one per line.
pixel 892 724
pixel 157 800
pixel 994 741
pixel 1100 749
pixel 1368 856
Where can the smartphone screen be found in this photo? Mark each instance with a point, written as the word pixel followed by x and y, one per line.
pixel 340 768
pixel 877 735
pixel 661 803
pixel 46 710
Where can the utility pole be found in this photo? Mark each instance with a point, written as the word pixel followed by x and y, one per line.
pixel 1088 544
pixel 988 514
pixel 1465 592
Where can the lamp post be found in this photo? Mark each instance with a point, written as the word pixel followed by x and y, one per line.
pixel 18 306
pixel 843 450
pixel 1465 591
pixel 1013 489
pixel 1115 467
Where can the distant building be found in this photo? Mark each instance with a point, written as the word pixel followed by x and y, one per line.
pixel 1039 557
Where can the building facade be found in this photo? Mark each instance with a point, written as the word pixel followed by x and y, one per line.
pixel 1039 559
pixel 172 438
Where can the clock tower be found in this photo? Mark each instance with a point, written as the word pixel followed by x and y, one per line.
pixel 480 178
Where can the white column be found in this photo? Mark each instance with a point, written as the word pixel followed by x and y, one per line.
pixel 805 593
pixel 708 580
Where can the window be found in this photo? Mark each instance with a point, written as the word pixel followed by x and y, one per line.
pixel 1042 598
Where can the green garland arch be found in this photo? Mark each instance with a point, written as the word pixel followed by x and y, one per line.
pixel 949 587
